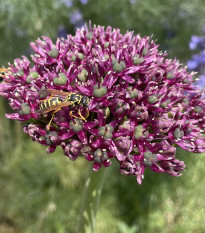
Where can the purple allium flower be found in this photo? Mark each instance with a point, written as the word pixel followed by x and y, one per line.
pixel 141 105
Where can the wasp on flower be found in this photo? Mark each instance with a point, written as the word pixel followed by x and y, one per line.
pixel 59 99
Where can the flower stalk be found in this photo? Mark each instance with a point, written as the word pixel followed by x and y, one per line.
pixel 90 201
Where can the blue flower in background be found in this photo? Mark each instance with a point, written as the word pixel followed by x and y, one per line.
pixel 133 1
pixel 62 32
pixel 197 42
pixel 201 81
pixel 192 64
pixel 68 3
pixel 76 17
pixel 197 61
pixel 84 2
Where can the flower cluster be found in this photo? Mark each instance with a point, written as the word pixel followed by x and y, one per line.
pixel 197 62
pixel 141 105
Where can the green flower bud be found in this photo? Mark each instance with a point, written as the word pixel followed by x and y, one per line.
pixel 33 75
pixel 41 138
pixel 80 56
pixel 48 140
pixel 73 58
pixel 170 114
pixel 61 80
pixel 83 75
pixel 106 131
pixel 170 75
pixel 85 72
pixel 28 80
pixel 25 109
pixel 62 76
pixel 137 60
pixel 186 101
pixel 126 124
pixel 145 51
pixel 89 35
pixel 100 156
pixel 53 53
pixel 110 128
pixel 152 99
pixel 149 157
pixel 99 92
pixel 98 153
pixel 106 44
pixel 107 135
pixel 138 131
pixel 118 67
pixel 114 62
pixel 107 112
pixel 106 57
pixel 76 125
pixel 134 94
pixel 198 109
pixel 178 133
pixel 20 73
pixel 123 65
pixel 164 104
pixel 101 131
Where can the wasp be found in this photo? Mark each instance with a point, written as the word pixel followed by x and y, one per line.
pixel 59 99
pixel 3 72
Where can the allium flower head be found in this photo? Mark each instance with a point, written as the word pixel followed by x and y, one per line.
pixel 141 105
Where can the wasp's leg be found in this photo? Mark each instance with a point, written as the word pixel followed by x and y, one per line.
pixel 87 113
pixel 49 124
pixel 79 112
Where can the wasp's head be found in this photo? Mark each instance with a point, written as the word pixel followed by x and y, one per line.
pixel 85 101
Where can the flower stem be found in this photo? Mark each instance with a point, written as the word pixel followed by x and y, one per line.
pixel 90 201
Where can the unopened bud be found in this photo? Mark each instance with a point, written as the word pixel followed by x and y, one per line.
pixel 53 53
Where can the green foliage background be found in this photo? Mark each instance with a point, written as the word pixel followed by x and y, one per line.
pixel 42 193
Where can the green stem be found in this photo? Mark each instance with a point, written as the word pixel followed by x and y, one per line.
pixel 90 201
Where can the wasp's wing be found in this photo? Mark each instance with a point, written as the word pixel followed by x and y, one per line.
pixel 52 108
pixel 3 71
pixel 53 92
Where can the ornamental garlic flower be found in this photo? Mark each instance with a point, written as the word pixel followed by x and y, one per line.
pixel 141 105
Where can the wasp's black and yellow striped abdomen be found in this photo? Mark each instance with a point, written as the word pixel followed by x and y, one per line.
pixel 54 101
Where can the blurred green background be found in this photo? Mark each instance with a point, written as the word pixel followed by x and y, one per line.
pixel 41 192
